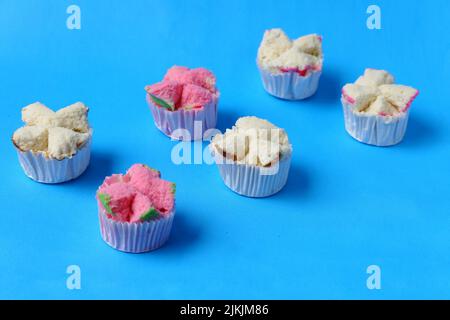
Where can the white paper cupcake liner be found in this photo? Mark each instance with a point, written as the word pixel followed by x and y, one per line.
pixel 193 122
pixel 253 181
pixel 42 169
pixel 290 85
pixel 135 237
pixel 375 130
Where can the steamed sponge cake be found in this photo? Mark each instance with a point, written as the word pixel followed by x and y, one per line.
pixel 375 93
pixel 399 95
pixel 200 77
pixel 232 145
pixel 64 143
pixel 147 181
pixel 139 195
pixel 140 177
pixel 54 135
pixel 268 152
pixel 73 117
pixel 142 209
pixel 165 94
pixel 194 97
pixel 116 200
pixel 310 44
pixel 253 141
pixel 294 59
pixel 184 88
pixel 375 78
pixel 137 170
pixel 263 128
pixel 162 195
pixel 252 122
pixel 37 114
pixel 360 97
pixel 382 107
pixel 274 43
pixel 115 178
pixel 175 73
pixel 31 138
pixel 278 54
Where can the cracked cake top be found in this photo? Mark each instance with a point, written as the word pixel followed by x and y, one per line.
pixel 56 135
pixel 277 53
pixel 375 93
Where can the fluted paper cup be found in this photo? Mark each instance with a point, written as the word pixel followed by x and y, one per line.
pixel 373 129
pixel 185 125
pixel 290 85
pixel 42 169
pixel 253 181
pixel 136 237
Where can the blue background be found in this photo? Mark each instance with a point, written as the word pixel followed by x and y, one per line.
pixel 346 205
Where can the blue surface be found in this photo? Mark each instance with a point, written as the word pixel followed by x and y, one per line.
pixel 346 205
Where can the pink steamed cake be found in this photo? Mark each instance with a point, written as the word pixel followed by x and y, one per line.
pixel 136 171
pixel 141 176
pixel 163 195
pixel 200 77
pixel 137 196
pixel 147 181
pixel 168 91
pixel 184 88
pixel 142 209
pixel 195 97
pixel 175 73
pixel 117 199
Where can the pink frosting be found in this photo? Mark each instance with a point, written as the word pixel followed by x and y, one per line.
pixel 128 197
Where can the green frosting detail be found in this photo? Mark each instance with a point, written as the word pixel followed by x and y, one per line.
pixel 105 199
pixel 174 188
pixel 161 102
pixel 150 214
